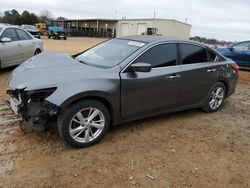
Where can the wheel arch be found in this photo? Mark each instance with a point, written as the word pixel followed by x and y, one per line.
pixel 225 84
pixel 99 98
pixel 37 48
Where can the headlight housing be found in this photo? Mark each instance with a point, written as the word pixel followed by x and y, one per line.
pixel 41 94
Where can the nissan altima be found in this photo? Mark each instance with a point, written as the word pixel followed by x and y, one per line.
pixel 118 81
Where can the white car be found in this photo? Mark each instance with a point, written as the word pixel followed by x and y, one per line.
pixel 17 45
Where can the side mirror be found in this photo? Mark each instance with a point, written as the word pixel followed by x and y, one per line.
pixel 141 67
pixel 231 48
pixel 5 39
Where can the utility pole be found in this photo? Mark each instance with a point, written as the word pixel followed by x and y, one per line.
pixel 154 20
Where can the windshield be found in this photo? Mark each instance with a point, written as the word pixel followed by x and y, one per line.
pixel 0 29
pixel 110 53
pixel 31 27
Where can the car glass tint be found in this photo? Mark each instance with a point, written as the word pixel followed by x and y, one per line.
pixel 212 56
pixel 160 56
pixel 193 54
pixel 10 33
pixel 22 35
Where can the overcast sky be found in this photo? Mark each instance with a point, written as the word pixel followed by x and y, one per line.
pixel 221 19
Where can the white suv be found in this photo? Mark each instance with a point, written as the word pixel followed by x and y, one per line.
pixel 17 45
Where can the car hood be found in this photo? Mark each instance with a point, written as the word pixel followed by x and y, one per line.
pixel 50 69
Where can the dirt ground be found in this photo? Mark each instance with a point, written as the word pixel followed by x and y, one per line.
pixel 184 149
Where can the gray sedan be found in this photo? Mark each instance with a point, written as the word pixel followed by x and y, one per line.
pixel 17 45
pixel 118 81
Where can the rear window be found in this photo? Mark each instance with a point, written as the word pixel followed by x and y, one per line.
pixel 211 56
pixel 192 54
pixel 214 57
pixel 23 35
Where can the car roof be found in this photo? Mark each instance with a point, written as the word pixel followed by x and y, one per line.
pixel 155 39
pixel 4 25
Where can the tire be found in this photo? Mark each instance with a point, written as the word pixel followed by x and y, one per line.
pixel 215 98
pixel 38 51
pixel 78 129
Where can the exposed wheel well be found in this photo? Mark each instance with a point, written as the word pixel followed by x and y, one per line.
pixel 100 99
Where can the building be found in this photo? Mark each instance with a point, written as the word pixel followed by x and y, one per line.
pixel 116 28
pixel 166 27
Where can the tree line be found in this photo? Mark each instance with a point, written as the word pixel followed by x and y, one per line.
pixel 210 41
pixel 26 17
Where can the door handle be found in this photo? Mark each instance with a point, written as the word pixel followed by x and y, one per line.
pixel 211 70
pixel 174 76
pixel 19 45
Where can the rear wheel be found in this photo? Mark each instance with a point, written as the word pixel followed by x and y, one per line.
pixel 215 98
pixel 84 123
pixel 38 51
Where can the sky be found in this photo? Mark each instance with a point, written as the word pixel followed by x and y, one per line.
pixel 221 19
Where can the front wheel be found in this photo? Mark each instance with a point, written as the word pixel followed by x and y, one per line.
pixel 215 98
pixel 84 123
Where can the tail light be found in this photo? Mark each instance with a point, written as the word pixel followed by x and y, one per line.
pixel 235 67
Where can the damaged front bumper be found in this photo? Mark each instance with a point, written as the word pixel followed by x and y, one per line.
pixel 32 107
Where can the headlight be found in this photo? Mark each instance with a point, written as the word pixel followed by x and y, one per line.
pixel 40 94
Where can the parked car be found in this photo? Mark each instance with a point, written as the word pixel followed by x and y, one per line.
pixel 137 77
pixel 239 52
pixel 56 33
pixel 17 45
pixel 32 30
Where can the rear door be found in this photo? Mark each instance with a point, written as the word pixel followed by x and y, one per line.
pixel 155 91
pixel 26 43
pixel 198 74
pixel 10 52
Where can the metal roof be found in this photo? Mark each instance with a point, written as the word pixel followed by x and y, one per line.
pixel 152 39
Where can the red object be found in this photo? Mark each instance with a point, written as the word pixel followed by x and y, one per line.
pixel 235 67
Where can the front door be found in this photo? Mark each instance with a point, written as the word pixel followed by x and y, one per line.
pixel 10 51
pixel 158 90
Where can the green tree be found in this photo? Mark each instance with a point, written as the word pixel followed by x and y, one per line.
pixel 13 17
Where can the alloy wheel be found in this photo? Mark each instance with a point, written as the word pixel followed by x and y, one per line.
pixel 86 125
pixel 216 98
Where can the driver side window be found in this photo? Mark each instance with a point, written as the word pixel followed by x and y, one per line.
pixel 10 33
pixel 162 55
pixel 242 46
